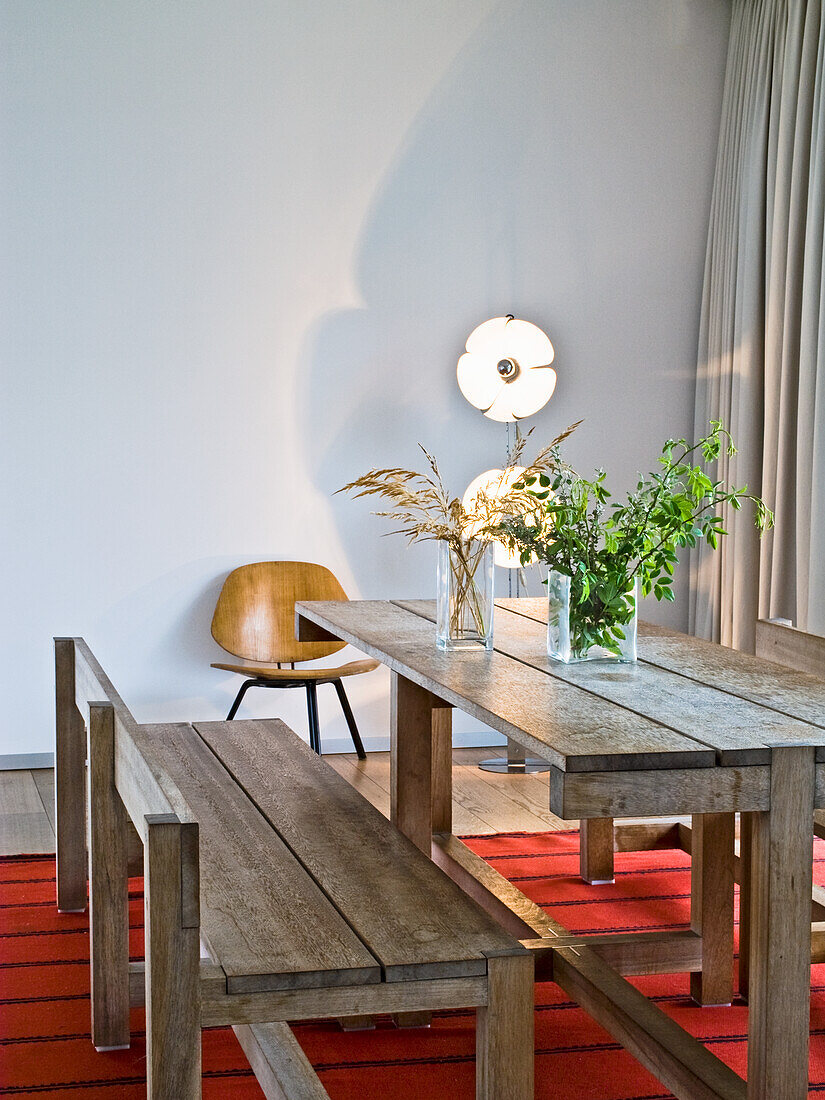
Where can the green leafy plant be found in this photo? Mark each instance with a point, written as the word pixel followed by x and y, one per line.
pixel 604 545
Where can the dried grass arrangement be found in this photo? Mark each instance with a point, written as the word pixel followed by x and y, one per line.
pixel 422 506
pixel 424 510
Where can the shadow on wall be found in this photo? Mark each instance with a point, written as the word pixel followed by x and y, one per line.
pixel 187 643
pixel 517 190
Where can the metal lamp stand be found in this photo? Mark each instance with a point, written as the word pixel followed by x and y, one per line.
pixel 516 762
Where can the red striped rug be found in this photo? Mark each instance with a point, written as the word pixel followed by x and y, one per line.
pixel 45 1049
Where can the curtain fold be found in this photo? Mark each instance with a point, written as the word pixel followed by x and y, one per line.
pixel 761 367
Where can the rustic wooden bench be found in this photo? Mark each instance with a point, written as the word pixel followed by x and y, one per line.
pixel 307 901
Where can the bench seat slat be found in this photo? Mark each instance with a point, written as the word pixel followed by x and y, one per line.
pixel 264 919
pixel 413 918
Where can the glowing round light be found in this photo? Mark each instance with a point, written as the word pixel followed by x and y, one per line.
pixel 493 484
pixel 506 370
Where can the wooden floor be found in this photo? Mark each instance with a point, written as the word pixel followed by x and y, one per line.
pixel 26 812
pixel 484 802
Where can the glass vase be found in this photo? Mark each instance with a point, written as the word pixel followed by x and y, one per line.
pixel 465 595
pixel 579 630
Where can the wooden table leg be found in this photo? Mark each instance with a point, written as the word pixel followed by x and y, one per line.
pixel 596 850
pixel 780 951
pixel 173 1012
pixel 711 907
pixel 421 777
pixel 442 769
pixel 108 888
pixel 504 1031
pixel 69 784
pixel 420 763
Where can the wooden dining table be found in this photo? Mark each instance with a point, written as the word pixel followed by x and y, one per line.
pixel 691 729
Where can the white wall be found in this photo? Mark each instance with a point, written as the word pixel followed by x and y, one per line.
pixel 243 244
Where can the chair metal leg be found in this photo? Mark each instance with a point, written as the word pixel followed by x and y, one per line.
pixel 350 717
pixel 233 710
pixel 312 713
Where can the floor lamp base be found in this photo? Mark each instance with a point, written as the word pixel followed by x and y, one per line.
pixel 526 766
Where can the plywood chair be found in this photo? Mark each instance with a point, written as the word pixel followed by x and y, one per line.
pixel 255 620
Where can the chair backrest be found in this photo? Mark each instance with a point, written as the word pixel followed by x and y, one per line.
pixel 255 613
pixel 791 647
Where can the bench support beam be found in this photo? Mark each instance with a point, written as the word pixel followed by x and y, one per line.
pixel 674 1057
pixel 280 1065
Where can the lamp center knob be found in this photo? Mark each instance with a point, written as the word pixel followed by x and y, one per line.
pixel 508 369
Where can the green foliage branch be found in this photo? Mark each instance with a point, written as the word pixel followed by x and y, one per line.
pixel 604 545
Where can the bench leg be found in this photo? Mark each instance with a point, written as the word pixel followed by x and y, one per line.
pixel 780 954
pixel 412 1019
pixel 173 1026
pixel 711 906
pixel 356 1023
pixel 69 784
pixel 504 1031
pixel 745 876
pixel 596 850
pixel 108 888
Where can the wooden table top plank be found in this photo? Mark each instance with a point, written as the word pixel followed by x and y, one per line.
pixel 797 695
pixel 251 886
pixel 739 730
pixel 571 728
pixel 413 918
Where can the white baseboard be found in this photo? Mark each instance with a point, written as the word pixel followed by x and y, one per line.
pixel 13 762
pixel 478 739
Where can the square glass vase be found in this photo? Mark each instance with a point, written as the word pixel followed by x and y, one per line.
pixel 564 627
pixel 465 595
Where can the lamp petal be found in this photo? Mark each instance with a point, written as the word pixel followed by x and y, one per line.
pixel 528 345
pixel 532 390
pixel 479 380
pixel 489 338
pixel 502 408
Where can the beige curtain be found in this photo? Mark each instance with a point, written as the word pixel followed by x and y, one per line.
pixel 762 338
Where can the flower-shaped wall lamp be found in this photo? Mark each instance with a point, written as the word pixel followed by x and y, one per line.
pixel 505 371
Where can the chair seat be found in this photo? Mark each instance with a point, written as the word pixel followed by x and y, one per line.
pixel 318 675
